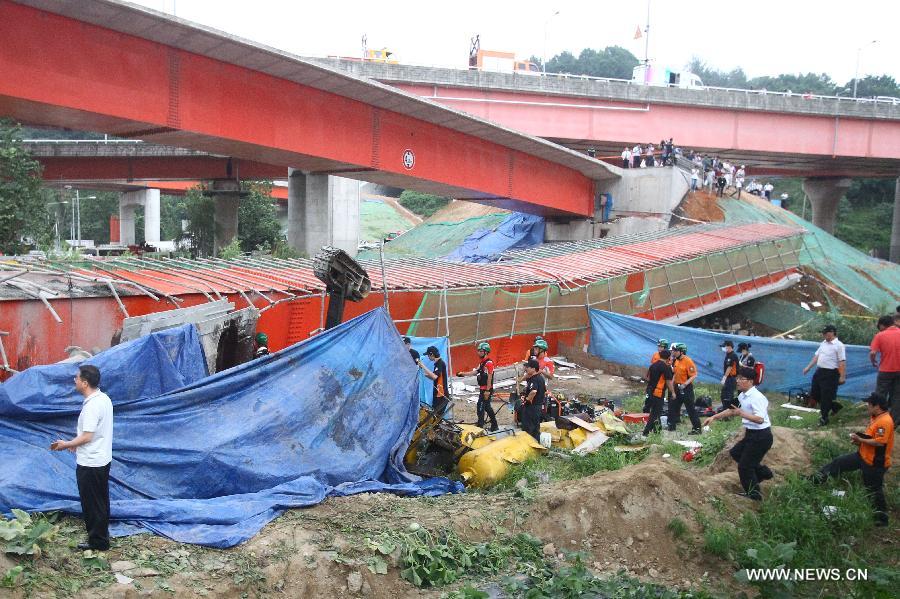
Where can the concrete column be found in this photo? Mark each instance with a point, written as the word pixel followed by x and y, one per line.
pixel 895 228
pixel 322 210
pixel 127 206
pixel 151 216
pixel 227 194
pixel 824 195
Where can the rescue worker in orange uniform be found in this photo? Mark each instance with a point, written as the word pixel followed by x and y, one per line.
pixel 440 397
pixel 685 373
pixel 484 375
pixel 873 457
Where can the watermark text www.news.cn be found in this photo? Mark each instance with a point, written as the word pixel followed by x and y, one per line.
pixel 806 574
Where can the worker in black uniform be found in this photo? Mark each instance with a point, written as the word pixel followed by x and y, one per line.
pixel 729 375
pixel 659 378
pixel 535 390
pixel 484 375
pixel 440 396
pixel 415 355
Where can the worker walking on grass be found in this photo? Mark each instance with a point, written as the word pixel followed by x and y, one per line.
pixel 659 378
pixel 887 344
pixel 729 374
pixel 830 361
pixel 535 390
pixel 440 396
pixel 685 372
pixel 753 408
pixel 93 456
pixel 873 457
pixel 484 375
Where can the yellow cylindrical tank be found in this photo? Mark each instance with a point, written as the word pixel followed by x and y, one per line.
pixel 473 436
pixel 485 466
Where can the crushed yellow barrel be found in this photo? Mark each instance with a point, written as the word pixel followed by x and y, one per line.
pixel 483 467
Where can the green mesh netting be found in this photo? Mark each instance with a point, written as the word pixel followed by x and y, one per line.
pixel 875 283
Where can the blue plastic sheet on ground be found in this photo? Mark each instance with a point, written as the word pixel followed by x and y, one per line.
pixel 212 462
pixel 629 340
pixel 517 231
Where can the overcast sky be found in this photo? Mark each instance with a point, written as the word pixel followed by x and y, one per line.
pixel 765 37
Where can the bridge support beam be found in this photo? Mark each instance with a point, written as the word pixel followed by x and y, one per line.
pixel 227 195
pixel 128 203
pixel 322 210
pixel 895 228
pixel 824 195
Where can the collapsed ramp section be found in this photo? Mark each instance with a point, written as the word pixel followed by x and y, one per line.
pixel 212 462
pixel 674 275
pixel 872 282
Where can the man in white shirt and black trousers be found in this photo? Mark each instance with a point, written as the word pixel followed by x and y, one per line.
pixel 93 455
pixel 830 361
pixel 753 408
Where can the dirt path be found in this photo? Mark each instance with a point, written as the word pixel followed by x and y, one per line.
pixel 413 218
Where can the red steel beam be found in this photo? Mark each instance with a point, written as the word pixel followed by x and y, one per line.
pixel 63 72
pixel 93 168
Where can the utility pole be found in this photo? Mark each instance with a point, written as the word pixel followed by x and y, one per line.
pixel 647 37
pixel 856 72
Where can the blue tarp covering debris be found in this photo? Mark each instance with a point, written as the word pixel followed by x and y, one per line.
pixel 213 461
pixel 629 340
pixel 517 231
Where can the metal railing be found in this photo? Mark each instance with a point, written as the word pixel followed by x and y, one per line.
pixel 567 76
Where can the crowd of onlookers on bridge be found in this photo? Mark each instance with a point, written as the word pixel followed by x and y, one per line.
pixel 708 172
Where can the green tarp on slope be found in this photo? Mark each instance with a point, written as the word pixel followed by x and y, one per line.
pixel 875 283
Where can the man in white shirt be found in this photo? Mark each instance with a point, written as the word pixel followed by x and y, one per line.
pixel 626 158
pixel 93 455
pixel 830 361
pixel 757 441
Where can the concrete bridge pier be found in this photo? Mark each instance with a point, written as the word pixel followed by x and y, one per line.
pixel 895 227
pixel 128 203
pixel 322 210
pixel 227 196
pixel 824 195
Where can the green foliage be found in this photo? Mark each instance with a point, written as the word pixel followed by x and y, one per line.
pixel 232 250
pixel 200 211
pixel 853 331
pixel 24 220
pixel 258 226
pixel 423 204
pixel 438 558
pixel 552 468
pixel 793 529
pixel 26 535
pixel 468 592
pixel 572 579
pixel 613 62
pixel 677 527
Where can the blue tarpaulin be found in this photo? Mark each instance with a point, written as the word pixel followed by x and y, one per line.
pixel 213 461
pixel 517 231
pixel 629 340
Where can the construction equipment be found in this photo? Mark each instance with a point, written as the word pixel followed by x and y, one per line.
pixel 345 280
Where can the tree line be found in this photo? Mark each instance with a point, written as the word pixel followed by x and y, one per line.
pixel 616 62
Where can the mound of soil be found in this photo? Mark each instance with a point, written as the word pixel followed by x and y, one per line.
pixel 460 210
pixel 701 205
pixel 788 453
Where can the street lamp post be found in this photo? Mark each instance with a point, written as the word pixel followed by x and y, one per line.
pixel 75 229
pixel 58 243
pixel 546 26
pixel 856 73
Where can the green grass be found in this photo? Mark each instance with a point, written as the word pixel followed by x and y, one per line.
pixel 542 469
pixel 791 529
pixel 677 527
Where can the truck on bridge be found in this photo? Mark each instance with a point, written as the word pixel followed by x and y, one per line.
pixel 649 75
